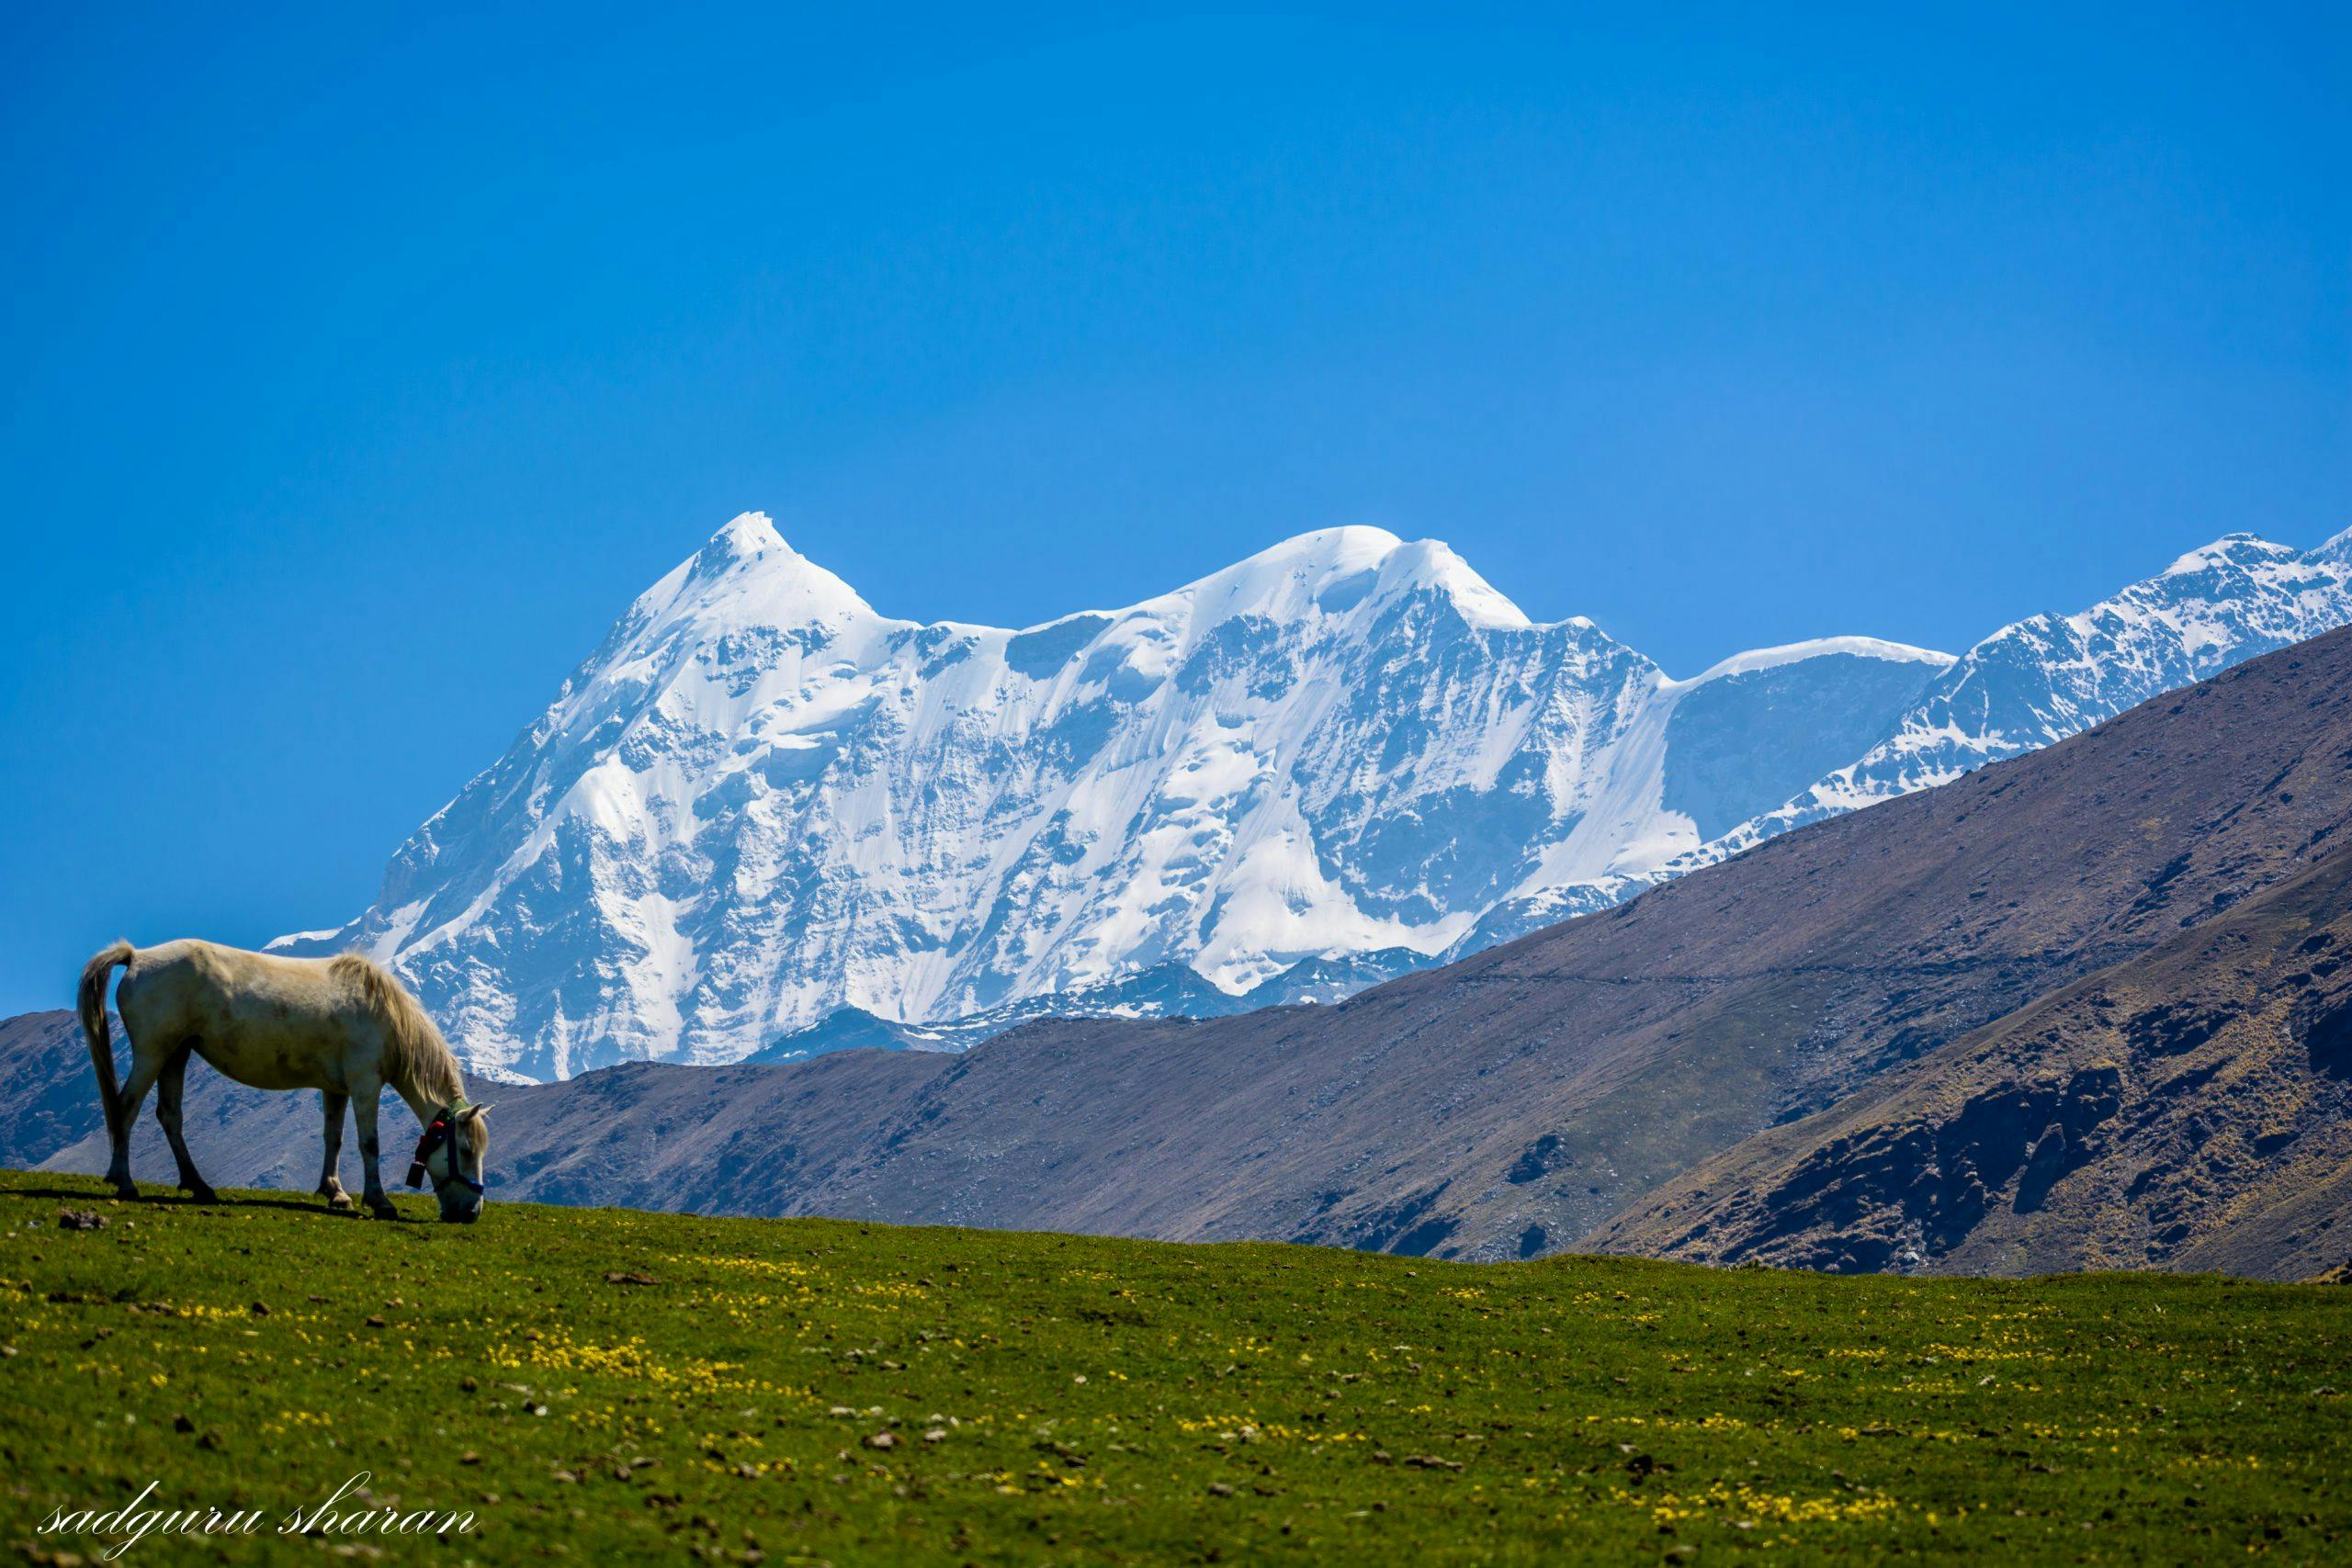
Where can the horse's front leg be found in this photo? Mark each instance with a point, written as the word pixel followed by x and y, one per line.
pixel 168 1085
pixel 362 1107
pixel 330 1176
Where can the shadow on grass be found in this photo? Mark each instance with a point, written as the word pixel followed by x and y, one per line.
pixel 99 1191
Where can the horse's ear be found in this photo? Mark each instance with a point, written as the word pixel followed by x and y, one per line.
pixel 484 1109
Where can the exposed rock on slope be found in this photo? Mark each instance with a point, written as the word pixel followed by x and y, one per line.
pixel 2192 1107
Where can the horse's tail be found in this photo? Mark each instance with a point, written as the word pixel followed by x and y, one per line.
pixel 94 975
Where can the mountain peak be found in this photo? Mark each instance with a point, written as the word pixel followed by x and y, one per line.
pixel 2234 549
pixel 1432 564
pixel 748 573
pixel 1325 545
pixel 745 534
pixel 1334 569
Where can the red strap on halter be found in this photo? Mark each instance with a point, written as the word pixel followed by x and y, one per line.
pixel 433 1134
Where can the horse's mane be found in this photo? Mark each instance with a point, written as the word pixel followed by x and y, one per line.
pixel 414 1052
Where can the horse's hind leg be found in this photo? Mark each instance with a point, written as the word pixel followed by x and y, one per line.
pixel 329 1178
pixel 168 1085
pixel 145 1069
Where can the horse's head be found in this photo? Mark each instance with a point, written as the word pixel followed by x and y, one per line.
pixel 455 1160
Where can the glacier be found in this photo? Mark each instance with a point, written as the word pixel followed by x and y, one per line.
pixel 764 819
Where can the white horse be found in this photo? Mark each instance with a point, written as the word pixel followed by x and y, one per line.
pixel 340 1025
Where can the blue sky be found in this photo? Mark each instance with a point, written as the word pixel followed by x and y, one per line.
pixel 361 363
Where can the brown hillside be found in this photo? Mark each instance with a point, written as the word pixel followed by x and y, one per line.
pixel 2187 1109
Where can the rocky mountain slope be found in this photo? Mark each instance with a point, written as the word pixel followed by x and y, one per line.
pixel 48 1096
pixel 1518 1101
pixel 2188 1109
pixel 761 802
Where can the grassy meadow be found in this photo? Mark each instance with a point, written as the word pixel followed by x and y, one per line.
pixel 607 1387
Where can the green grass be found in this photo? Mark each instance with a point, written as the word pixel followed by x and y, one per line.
pixel 1055 1398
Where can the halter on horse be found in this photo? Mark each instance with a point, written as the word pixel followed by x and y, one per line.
pixel 441 1135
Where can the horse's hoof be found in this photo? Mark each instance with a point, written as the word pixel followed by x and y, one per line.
pixel 339 1201
pixel 203 1195
pixel 127 1191
pixel 383 1211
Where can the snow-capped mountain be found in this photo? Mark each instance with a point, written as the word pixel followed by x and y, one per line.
pixel 2031 684
pixel 761 802
pixel 2037 681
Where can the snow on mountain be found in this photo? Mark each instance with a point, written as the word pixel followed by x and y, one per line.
pixel 764 818
pixel 2030 684
pixel 2042 680
pixel 760 801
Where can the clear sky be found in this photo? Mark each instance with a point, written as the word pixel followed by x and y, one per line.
pixel 359 363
